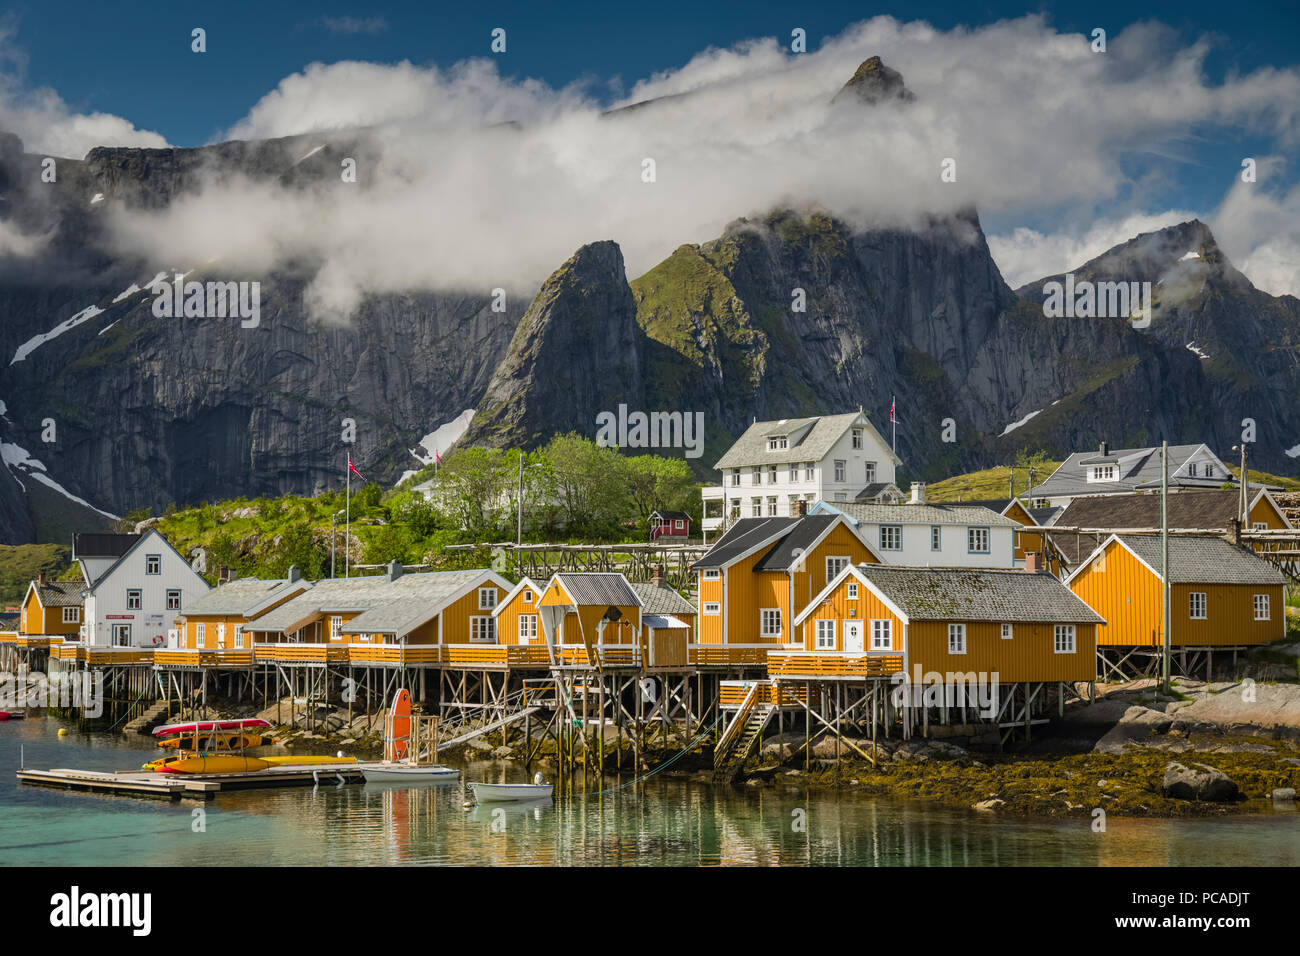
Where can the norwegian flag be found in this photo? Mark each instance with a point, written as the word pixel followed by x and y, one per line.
pixel 437 457
pixel 893 412
pixel 353 468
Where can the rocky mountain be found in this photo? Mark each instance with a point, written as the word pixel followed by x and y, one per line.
pixel 789 312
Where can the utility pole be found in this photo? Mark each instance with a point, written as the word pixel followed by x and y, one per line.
pixel 1166 611
pixel 1242 507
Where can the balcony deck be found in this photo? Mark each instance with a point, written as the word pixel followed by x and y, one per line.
pixel 823 665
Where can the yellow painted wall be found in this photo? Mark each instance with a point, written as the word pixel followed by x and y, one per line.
pixel 455 617
pixel 710 629
pixel 1265 512
pixel 508 619
pixel 35 618
pixel 839 607
pixel 1029 655
pixel 581 627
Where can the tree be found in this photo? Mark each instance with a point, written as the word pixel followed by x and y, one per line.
pixel 590 485
pixel 472 489
pixel 656 483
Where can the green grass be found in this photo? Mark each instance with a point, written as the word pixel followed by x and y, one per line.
pixel 21 563
pixel 979 485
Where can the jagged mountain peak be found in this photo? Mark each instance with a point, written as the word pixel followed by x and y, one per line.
pixel 873 82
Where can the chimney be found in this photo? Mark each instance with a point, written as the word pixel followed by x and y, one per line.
pixel 800 508
pixel 918 492
pixel 294 574
pixel 40 579
pixel 657 576
pixel 1033 561
pixel 1104 448
pixel 394 569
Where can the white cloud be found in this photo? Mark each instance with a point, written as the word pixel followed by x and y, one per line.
pixel 1258 227
pixel 1035 121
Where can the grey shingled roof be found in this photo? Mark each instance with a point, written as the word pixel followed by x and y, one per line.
pixel 334 594
pixel 1203 559
pixel 874 490
pixel 238 596
pixel 979 594
pixel 409 601
pixel 661 600
pixel 1207 510
pixel 803 533
pixel 751 447
pixel 1071 477
pixel 929 513
pixel 598 588
pixel 62 593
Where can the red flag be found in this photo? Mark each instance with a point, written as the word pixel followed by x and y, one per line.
pixel 437 457
pixel 353 468
pixel 893 417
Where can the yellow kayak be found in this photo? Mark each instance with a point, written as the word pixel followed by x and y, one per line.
pixel 218 763
pixel 216 742
pixel 297 760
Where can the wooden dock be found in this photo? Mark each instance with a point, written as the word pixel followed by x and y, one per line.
pixel 197 786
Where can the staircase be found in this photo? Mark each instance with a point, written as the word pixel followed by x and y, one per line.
pixel 149 719
pixel 738 740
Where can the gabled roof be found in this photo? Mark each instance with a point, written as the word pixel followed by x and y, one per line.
pixel 925 514
pixel 1207 510
pixel 806 443
pixel 977 594
pixel 876 489
pixel 788 538
pixel 745 536
pixel 59 593
pixel 141 540
pixel 101 545
pixel 244 596
pixel 1194 559
pixel 671 515
pixel 597 588
pixel 526 582
pixel 1138 468
pixel 661 600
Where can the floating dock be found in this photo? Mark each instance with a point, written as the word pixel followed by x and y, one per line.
pixel 196 786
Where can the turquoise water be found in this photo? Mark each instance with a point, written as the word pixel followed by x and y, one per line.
pixel 659 822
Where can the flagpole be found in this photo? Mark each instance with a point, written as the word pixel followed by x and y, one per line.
pixel 347 524
pixel 893 417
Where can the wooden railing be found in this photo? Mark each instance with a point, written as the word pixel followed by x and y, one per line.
pixel 393 653
pixel 203 657
pixel 833 664
pixel 30 640
pixel 103 656
pixel 728 736
pixel 723 655
pixel 301 653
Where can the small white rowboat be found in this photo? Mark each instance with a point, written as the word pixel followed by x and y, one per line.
pixel 506 792
pixel 402 773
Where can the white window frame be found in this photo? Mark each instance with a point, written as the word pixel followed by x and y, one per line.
pixel 756 507
pixel 936 537
pixel 712 608
pixel 1259 526
pixel 487 598
pixel 136 595
pixel 857 438
pixel 1008 632
pixel 841 471
pixel 200 633
pixel 870 472
pixel 891 527
pixel 809 471
pixel 1063 639
pixel 482 629
pixel 712 574
pixel 527 628
pixel 153 561
pixel 1263 602
pixel 772 478
pixel 882 634
pixel 528 595
pixel 336 625
pixel 1193 603
pixel 771 506
pixel 825 634
pixel 956 638
pixel 173 593
pixel 239 635
pixel 75 617
pixel 853 591
pixel 769 622
pixel 841 561
pixel 970 536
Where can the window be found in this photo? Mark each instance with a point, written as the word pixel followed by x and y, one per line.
pixel 712 574
pixel 956 638
pixel 1191 470
pixel 200 630
pixel 936 538
pixel 977 540
pixel 891 537
pixel 808 471
pixel 1007 633
pixel 1103 473
pixel 1196 605
pixel 527 628
pixel 483 630
pixel 133 600
pixel 839 471
pixel 335 624
pixel 239 635
pixel 735 477
pixel 1259 526
pixel 841 496
pixel 71 615
pixel 853 590
pixel 153 564
pixel 712 608
pixel 771 506
pixel 756 475
pixel 487 599
pixel 1064 642
pixel 871 472
pixel 770 622
pixel 756 507
pixel 777 444
pixel 834 565
pixel 528 596
pixel 771 475
pixel 1263 610
pixel 221 634
pixel 825 635
pixel 882 635
pixel 173 600
pixel 857 438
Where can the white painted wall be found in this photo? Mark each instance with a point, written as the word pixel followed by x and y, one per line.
pixel 953 553
pixel 106 605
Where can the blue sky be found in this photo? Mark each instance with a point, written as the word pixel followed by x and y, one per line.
pixel 133 60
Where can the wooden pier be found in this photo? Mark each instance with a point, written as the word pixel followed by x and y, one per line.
pixel 197 786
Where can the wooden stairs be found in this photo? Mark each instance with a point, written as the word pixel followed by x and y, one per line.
pixel 745 730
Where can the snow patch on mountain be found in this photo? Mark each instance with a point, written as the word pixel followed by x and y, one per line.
pixel 35 342
pixel 439 440
pixel 1014 425
pixel 20 461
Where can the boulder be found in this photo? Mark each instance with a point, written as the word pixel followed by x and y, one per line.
pixel 990 805
pixel 1284 795
pixel 1199 782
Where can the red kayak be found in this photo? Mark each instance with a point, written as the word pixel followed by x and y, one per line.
pixel 4 715
pixel 208 725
